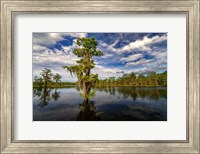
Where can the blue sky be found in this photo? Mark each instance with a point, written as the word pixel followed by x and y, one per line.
pixel 141 53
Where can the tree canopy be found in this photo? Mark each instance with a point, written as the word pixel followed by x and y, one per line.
pixel 85 50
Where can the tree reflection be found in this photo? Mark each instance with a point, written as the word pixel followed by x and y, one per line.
pixel 87 111
pixel 45 95
pixel 37 92
pixel 87 107
pixel 134 92
pixel 55 95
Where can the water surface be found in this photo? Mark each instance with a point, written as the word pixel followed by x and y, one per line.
pixel 109 104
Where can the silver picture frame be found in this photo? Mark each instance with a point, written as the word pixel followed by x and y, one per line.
pixel 9 8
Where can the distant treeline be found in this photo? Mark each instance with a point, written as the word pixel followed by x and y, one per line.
pixel 49 80
pixel 53 84
pixel 152 79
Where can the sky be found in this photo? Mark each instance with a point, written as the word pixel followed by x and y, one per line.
pixel 140 53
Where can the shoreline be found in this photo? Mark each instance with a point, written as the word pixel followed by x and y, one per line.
pixel 68 86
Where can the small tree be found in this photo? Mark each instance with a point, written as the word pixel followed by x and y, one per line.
pixel 47 75
pixel 86 49
pixel 57 78
pixel 35 81
pixel 38 81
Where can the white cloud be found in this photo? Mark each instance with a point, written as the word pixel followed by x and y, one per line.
pixel 55 36
pixel 107 55
pixel 46 39
pixel 139 62
pixel 151 68
pixel 159 63
pixel 159 54
pixel 67 49
pixel 103 44
pixel 49 57
pixel 76 35
pixel 142 45
pixel 39 48
pixel 106 72
pixel 145 70
pixel 131 57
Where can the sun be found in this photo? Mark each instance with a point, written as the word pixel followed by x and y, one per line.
pixel 54 35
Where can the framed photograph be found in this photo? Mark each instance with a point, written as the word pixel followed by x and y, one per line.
pixel 100 76
pixel 79 69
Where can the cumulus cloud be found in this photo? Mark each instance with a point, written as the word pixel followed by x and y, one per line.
pixel 140 44
pixel 139 62
pixel 75 35
pixel 132 57
pixel 121 72
pixel 157 64
pixel 159 54
pixel 106 72
pixel 46 39
pixel 107 56
pixel 39 48
pixel 147 70
pixel 51 58
pixel 144 71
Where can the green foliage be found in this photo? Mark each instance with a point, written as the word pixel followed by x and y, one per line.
pixel 57 77
pixel 38 81
pixel 47 75
pixel 92 94
pixel 47 80
pixel 86 49
pixel 152 79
